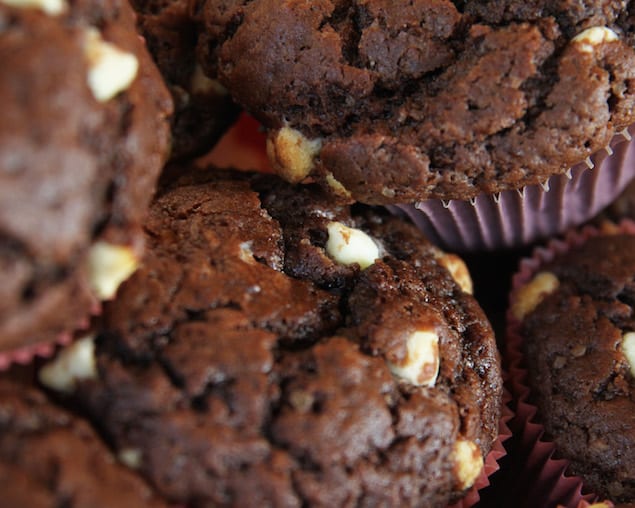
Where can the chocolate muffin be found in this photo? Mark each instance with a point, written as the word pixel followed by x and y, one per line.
pixel 50 457
pixel 577 327
pixel 394 102
pixel 203 109
pixel 280 348
pixel 83 137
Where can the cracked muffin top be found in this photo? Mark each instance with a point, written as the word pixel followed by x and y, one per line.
pixel 389 102
pixel 279 348
pixel 578 334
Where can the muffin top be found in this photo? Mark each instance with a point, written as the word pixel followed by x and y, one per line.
pixel 279 348
pixel 389 102
pixel 83 136
pixel 578 335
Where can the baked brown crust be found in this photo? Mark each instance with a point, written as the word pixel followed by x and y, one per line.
pixel 74 169
pixel 579 369
pixel 51 457
pixel 264 368
pixel 426 99
pixel 203 109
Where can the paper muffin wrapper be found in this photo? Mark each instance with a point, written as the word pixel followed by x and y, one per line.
pixel 516 218
pixel 544 475
pixel 491 461
pixel 241 147
pixel 45 349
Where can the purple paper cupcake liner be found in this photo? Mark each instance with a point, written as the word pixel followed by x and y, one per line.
pixel 516 218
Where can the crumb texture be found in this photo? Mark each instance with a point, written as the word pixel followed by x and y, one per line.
pixel 75 168
pixel 259 364
pixel 428 99
pixel 578 349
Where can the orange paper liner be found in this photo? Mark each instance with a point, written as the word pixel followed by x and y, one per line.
pixel 491 461
pixel 242 147
pixel 26 354
pixel 544 475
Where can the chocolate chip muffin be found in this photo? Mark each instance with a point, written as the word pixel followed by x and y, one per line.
pixel 83 137
pixel 394 102
pixel 50 457
pixel 280 348
pixel 203 109
pixel 577 327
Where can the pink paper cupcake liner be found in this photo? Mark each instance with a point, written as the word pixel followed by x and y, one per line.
pixel 515 218
pixel 543 474
pixel 26 354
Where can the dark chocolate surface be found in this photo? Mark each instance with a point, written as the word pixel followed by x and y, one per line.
pixel 427 99
pixel 259 366
pixel 52 458
pixel 203 109
pixel 578 370
pixel 73 170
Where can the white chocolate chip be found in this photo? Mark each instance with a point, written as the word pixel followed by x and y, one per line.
pixel 291 154
pixel 337 186
pixel 628 348
pixel 245 253
pixel 348 245
pixel 458 270
pixel 73 363
pixel 388 192
pixel 108 266
pixel 559 361
pixel 51 7
pixel 201 84
pixel 578 351
pixel 130 457
pixel 594 36
pixel 110 70
pixel 468 463
pixel 529 296
pixel 421 364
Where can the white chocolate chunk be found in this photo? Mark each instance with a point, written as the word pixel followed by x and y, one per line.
pixel 245 253
pixel 421 364
pixel 468 463
pixel 458 270
pixel 388 192
pixel 201 84
pixel 130 457
pixel 348 245
pixel 628 348
pixel 291 154
pixel 529 296
pixel 337 186
pixel 51 7
pixel 110 70
pixel 591 37
pixel 72 364
pixel 108 266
